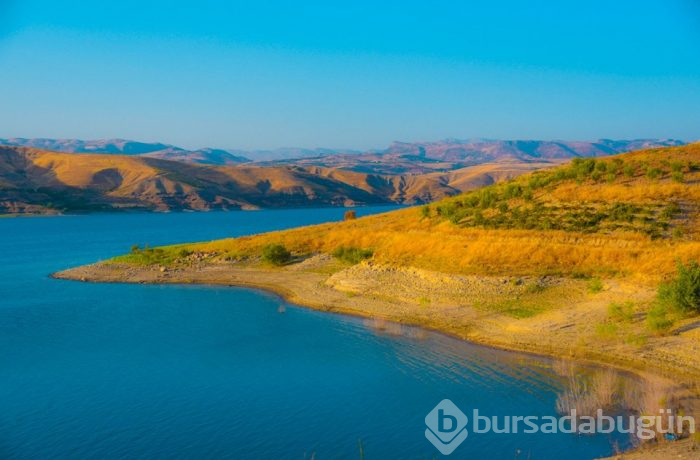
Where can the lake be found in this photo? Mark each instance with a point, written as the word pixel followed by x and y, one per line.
pixel 112 371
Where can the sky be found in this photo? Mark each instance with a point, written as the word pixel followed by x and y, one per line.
pixel 353 74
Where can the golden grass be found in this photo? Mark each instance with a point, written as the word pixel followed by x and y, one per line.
pixel 401 238
pixel 405 238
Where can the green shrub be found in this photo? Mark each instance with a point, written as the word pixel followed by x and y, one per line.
pixel 628 170
pixel 653 173
pixel 658 320
pixel 276 254
pixel 676 166
pixel 595 285
pixel 682 293
pixel 677 176
pixel 352 255
pixel 153 256
pixel 425 211
pixel 670 211
pixel 512 191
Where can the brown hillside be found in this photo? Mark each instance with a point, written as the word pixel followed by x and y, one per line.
pixel 34 180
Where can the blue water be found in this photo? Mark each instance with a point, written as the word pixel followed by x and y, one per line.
pixel 111 371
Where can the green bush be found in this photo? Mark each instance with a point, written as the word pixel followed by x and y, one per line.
pixel 153 256
pixel 658 321
pixel 682 293
pixel 595 285
pixel 653 173
pixel 670 211
pixel 676 166
pixel 276 254
pixel 352 255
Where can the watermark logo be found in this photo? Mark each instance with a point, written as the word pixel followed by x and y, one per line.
pixel 447 427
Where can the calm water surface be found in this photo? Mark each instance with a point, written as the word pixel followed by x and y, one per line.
pixel 110 371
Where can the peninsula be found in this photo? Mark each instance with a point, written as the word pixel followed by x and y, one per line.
pixel 594 260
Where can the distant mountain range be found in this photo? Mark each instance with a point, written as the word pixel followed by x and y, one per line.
pixel 120 174
pixel 39 181
pixel 127 147
pixel 451 154
pixel 398 158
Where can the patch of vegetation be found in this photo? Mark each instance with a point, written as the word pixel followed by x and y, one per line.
pixel 658 320
pixel 676 299
pixel 153 256
pixel 518 309
pixel 276 254
pixel 653 173
pixel 622 312
pixel 595 285
pixel 607 331
pixel 526 203
pixel 352 255
pixel 682 293
pixel 425 212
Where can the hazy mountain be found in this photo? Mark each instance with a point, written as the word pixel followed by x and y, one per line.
pixel 127 147
pixel 398 158
pixel 292 153
pixel 205 156
pixel 116 146
pixel 451 154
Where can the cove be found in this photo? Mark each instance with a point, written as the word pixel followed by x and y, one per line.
pixel 117 371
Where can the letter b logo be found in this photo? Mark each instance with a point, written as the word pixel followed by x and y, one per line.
pixel 446 427
pixel 442 428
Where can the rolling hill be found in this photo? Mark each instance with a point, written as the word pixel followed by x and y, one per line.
pixel 39 181
pixel 635 213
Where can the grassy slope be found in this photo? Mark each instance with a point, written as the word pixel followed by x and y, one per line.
pixel 633 214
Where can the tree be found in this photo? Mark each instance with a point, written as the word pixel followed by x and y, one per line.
pixel 683 292
pixel 350 215
pixel 276 254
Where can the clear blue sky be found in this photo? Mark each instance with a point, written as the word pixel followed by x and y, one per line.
pixel 357 74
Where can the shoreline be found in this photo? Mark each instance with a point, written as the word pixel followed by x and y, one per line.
pixel 311 289
pixel 251 278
